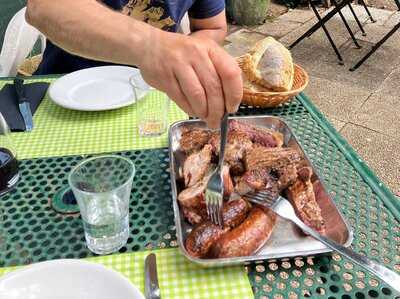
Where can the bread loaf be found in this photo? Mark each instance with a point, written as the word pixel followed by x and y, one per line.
pixel 270 65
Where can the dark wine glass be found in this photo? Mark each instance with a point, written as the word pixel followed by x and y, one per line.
pixel 9 173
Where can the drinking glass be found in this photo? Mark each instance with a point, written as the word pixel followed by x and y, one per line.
pixel 152 107
pixel 9 173
pixel 102 187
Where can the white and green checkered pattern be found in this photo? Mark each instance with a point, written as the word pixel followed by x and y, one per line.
pixel 62 132
pixel 178 277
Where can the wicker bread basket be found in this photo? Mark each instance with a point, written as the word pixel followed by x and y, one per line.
pixel 258 96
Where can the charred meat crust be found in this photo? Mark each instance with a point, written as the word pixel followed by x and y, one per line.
pixel 246 238
pixel 254 180
pixel 204 235
pixel 260 157
pixel 258 135
pixel 193 139
pixel 301 195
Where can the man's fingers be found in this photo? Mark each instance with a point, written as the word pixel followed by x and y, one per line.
pixel 172 89
pixel 176 94
pixel 193 90
pixel 230 75
pixel 211 82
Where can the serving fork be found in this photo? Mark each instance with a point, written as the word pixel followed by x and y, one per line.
pixel 215 186
pixel 284 208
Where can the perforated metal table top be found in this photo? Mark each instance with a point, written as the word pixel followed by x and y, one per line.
pixel 35 232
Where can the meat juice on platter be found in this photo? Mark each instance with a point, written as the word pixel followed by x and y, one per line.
pixel 8 170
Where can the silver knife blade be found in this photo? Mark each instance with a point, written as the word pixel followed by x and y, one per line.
pixel 151 288
pixel 26 113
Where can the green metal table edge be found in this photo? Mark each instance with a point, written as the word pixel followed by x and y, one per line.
pixel 388 198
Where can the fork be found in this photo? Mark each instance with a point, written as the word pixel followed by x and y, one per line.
pixel 284 208
pixel 215 186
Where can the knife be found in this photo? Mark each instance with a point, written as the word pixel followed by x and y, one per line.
pixel 151 288
pixel 24 106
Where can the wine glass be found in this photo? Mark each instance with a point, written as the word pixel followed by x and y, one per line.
pixel 9 173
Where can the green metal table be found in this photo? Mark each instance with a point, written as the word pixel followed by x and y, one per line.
pixel 35 232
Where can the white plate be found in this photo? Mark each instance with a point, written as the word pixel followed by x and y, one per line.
pixel 66 279
pixel 96 89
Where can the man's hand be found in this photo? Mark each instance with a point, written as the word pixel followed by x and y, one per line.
pixel 193 70
pixel 196 73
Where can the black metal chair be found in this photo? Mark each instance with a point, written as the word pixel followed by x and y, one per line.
pixel 338 6
pixel 379 43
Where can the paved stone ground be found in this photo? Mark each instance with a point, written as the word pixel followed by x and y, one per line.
pixel 364 105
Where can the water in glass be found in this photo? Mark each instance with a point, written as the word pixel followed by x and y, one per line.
pixel 102 187
pixel 106 224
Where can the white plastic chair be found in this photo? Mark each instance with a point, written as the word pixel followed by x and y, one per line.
pixel 185 25
pixel 19 40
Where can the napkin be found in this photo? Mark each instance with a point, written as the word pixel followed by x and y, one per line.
pixel 34 92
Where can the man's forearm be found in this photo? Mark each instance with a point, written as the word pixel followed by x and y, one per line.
pixel 89 29
pixel 214 28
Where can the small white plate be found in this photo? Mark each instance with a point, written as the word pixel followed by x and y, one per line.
pixel 67 279
pixel 96 89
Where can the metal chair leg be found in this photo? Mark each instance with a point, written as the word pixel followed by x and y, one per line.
pixel 357 20
pixel 316 26
pixel 368 12
pixel 375 47
pixel 347 27
pixel 327 34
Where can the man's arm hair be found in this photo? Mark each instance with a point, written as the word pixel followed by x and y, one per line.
pixel 88 28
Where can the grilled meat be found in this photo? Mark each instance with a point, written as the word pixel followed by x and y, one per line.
pixel 286 176
pixel 256 160
pixel 204 235
pixel 195 215
pixel 301 194
pixel 197 165
pixel 227 181
pixel 192 199
pixel 194 139
pixel 237 145
pixel 192 196
pixel 260 157
pixel 246 238
pixel 258 135
pixel 256 179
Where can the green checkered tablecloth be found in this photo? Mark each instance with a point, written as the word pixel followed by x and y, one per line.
pixel 63 132
pixel 178 277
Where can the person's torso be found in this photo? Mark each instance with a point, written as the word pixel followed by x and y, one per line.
pixel 163 14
